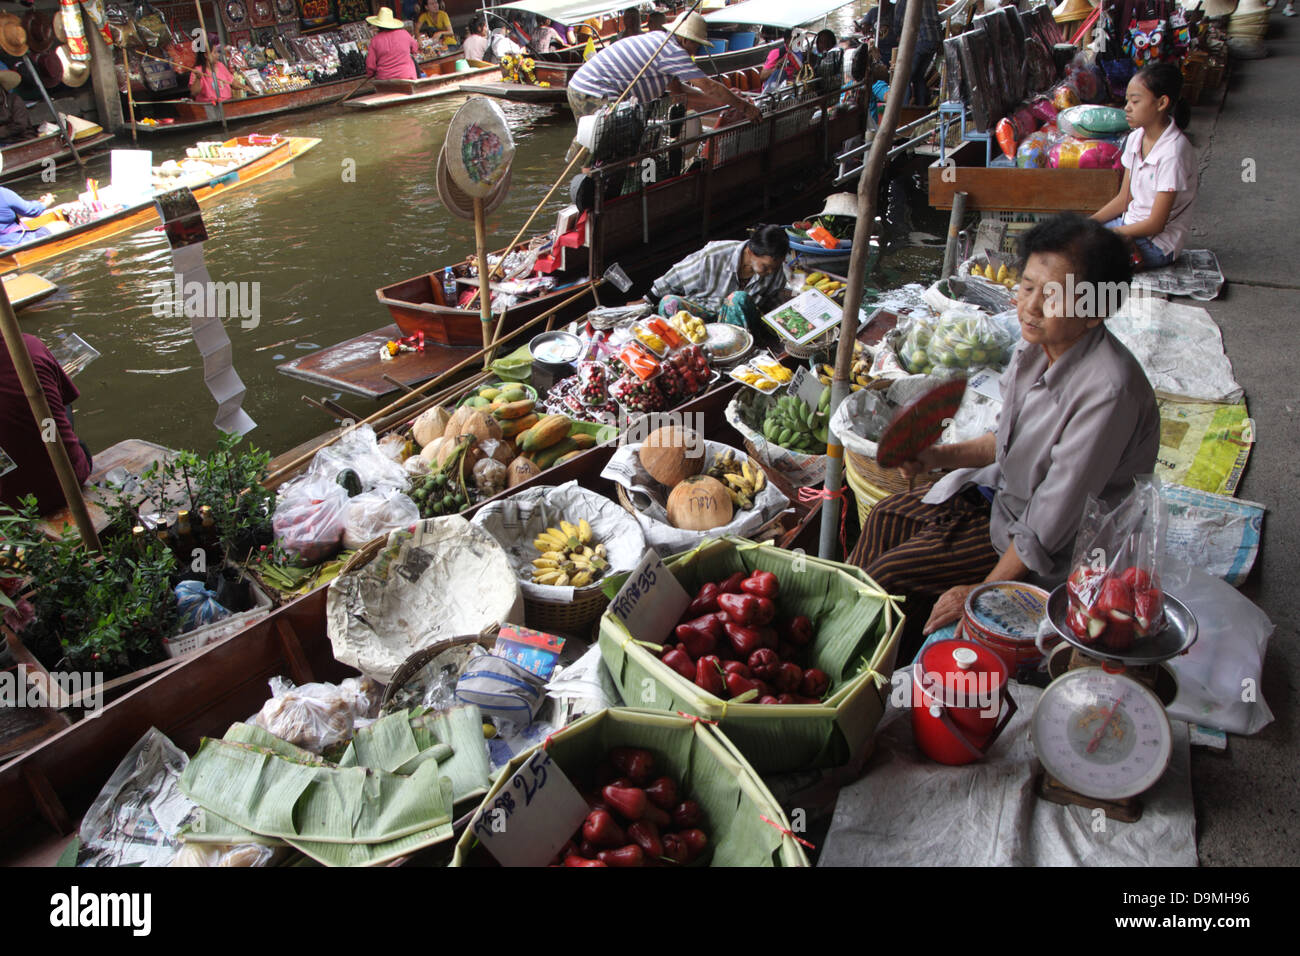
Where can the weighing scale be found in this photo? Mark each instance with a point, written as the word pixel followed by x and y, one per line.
pixel 1100 730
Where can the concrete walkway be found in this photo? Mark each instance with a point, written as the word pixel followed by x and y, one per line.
pixel 1248 799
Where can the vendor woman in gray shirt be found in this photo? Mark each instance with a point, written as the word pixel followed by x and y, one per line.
pixel 1078 418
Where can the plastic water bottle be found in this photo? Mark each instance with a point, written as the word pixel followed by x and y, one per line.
pixel 449 286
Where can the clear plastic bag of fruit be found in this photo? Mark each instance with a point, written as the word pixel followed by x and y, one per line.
pixel 962 338
pixel 1115 598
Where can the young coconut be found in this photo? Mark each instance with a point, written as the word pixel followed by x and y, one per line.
pixel 671 454
pixel 430 424
pixel 699 503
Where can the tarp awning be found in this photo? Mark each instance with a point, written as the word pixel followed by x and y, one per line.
pixel 781 14
pixel 566 11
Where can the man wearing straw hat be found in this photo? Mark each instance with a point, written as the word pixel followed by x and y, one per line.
pixel 393 51
pixel 15 124
pixel 613 71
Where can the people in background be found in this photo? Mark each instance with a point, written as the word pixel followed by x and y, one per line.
pixel 501 43
pixel 929 36
pixel 732 281
pixel 13 210
pixel 434 22
pixel 475 46
pixel 545 38
pixel 631 22
pixel 211 80
pixel 1078 418
pixel 15 124
pixel 24 439
pixel 612 72
pixel 656 21
pixel 782 64
pixel 1160 178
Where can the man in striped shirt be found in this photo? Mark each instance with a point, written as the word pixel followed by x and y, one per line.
pixel 605 77
pixel 731 281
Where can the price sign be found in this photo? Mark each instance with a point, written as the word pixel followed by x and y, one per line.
pixel 532 816
pixel 806 387
pixel 651 602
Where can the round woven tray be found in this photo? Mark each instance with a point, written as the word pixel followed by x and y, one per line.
pixel 420 659
pixel 811 348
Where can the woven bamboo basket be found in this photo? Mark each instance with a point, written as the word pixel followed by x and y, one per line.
pixel 811 348
pixel 871 483
pixel 421 658
pixel 570 618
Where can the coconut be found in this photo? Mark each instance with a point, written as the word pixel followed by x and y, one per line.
pixel 699 503
pixel 498 449
pixel 520 470
pixel 456 424
pixel 439 451
pixel 431 424
pixel 672 454
pixel 481 426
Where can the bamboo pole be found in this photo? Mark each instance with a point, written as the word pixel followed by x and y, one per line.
pixel 954 230
pixel 276 479
pixel 868 189
pixel 130 97
pixel 22 359
pixel 484 278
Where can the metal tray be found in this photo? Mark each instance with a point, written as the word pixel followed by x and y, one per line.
pixel 1179 635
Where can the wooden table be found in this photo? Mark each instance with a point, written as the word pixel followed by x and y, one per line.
pixel 133 454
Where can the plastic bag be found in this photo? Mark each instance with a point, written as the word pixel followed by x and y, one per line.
pixel 963 337
pixel 593 383
pixel 317 716
pixel 1073 153
pixel 606 317
pixel 308 519
pixel 1114 584
pixel 359 450
pixel 197 605
pixel 375 513
pixel 1063 96
pixel 151 27
pixel 1093 122
pixel 243 854
pixel 503 690
pixel 489 477
pixel 1034 149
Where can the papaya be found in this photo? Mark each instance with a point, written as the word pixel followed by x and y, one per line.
pixel 552 453
pixel 513 427
pixel 514 409
pixel 512 393
pixel 491 394
pixel 583 440
pixel 547 432
pixel 568 456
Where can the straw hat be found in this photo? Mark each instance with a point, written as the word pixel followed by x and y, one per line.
pixel 60 30
pixel 13 38
pixel 1247 7
pixel 10 80
pixel 691 26
pixel 1214 8
pixel 841 204
pixel 1072 11
pixel 75 73
pixel 385 20
pixel 40 31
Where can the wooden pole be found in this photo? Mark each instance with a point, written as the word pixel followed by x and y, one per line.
pixel 22 360
pixel 130 97
pixel 484 290
pixel 275 480
pixel 868 189
pixel 954 230
pixel 211 55
pixel 54 114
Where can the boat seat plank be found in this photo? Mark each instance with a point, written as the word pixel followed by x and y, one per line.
pixel 133 454
pixel 299 669
pixel 354 366
pixel 47 801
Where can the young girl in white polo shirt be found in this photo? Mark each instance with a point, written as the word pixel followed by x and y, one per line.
pixel 1160 176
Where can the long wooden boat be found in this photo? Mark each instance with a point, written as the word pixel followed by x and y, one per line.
pixel 27 288
pixel 34 155
pixel 401 92
pixel 144 215
pixel 45 790
pixel 188 115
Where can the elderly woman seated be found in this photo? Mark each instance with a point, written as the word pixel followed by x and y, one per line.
pixel 733 281
pixel 1078 418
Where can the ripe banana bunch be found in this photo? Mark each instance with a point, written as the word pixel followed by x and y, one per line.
pixel 741 479
pixel 859 376
pixel 568 558
pixel 824 284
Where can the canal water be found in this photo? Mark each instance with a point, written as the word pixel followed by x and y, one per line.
pixel 359 211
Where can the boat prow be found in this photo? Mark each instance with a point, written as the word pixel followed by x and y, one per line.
pixel 27 288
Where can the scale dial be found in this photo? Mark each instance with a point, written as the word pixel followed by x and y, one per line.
pixel 1102 735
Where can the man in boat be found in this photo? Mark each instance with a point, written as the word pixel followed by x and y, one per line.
pixel 24 438
pixel 434 22
pixel 631 23
pixel 15 124
pixel 731 281
pixel 545 39
pixel 475 46
pixel 393 51
pixel 13 210
pixel 614 70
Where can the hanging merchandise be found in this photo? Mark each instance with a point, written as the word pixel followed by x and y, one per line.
pixel 70 14
pixel 1039 66
pixel 149 24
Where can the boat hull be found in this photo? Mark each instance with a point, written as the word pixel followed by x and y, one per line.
pixel 191 115
pixel 417 305
pixel 33 155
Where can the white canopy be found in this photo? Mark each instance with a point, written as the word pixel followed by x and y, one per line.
pixel 567 11
pixel 781 14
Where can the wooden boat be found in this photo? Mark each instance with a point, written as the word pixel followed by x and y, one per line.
pixel 1011 189
pixel 27 288
pixel 401 92
pixel 189 115
pixel 45 790
pixel 34 155
pixel 144 215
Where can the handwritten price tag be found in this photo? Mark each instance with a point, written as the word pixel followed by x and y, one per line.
pixel 532 816
pixel 651 602
pixel 806 387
